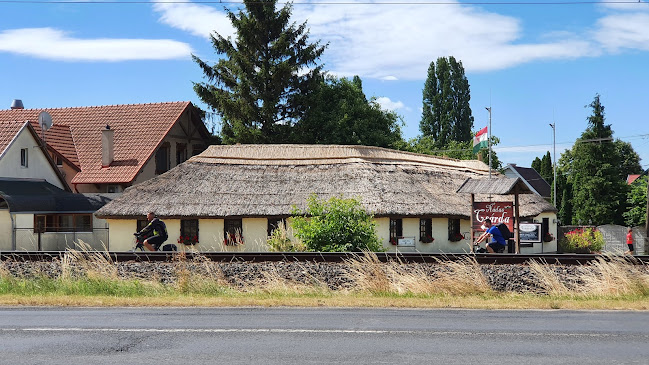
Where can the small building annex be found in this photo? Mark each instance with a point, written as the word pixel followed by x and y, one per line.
pixel 247 189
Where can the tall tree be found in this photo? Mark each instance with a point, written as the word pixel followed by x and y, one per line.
pixel 446 112
pixel 597 173
pixel 636 213
pixel 340 113
pixel 258 85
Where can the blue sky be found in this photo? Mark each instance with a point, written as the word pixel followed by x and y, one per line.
pixel 533 64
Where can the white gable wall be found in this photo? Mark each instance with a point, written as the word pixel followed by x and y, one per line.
pixel 38 166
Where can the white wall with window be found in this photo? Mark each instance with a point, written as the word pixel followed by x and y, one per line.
pixel 24 159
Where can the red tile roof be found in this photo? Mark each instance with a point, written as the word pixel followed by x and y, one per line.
pixel 139 129
pixel 631 178
pixel 59 138
pixel 8 131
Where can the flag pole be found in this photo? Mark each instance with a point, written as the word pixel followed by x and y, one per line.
pixel 489 139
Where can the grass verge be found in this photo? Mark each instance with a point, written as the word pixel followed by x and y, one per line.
pixel 91 279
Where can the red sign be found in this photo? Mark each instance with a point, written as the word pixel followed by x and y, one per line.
pixel 498 212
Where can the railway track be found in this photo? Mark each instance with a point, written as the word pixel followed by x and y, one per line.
pixel 404 257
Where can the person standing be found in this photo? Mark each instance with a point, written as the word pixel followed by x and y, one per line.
pixel 629 241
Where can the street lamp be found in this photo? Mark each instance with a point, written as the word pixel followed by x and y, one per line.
pixel 489 139
pixel 554 155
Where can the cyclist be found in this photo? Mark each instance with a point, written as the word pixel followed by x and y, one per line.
pixel 497 243
pixel 157 228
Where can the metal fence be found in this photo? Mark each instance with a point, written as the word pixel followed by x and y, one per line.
pixel 25 239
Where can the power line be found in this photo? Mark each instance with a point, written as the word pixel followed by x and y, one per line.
pixel 325 2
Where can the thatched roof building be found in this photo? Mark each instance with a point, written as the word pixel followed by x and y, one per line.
pixel 268 180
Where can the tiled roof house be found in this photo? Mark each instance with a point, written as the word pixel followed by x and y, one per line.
pixel 105 149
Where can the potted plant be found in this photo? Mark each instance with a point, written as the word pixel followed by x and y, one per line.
pixel 426 239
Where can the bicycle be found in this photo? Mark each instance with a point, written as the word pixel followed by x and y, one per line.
pixel 139 244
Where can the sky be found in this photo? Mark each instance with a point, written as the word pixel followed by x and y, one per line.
pixel 533 63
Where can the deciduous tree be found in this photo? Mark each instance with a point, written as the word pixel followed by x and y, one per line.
pixel 446 112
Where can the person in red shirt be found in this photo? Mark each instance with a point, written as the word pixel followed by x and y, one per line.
pixel 629 241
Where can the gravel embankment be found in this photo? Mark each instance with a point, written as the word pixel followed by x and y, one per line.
pixel 336 276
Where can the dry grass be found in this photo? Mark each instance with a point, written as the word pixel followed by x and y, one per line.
pixel 91 278
pixel 462 277
pixel 609 275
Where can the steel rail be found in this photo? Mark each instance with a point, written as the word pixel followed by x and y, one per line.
pixel 333 257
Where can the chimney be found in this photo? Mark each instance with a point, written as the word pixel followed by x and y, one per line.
pixel 107 146
pixel 17 104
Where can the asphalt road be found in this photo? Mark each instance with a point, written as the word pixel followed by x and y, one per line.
pixel 320 336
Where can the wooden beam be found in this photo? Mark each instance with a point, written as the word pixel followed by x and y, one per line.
pixel 517 232
pixel 472 214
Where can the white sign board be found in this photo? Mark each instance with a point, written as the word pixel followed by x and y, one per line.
pixel 406 241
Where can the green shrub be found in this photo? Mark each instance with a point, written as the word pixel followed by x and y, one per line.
pixel 335 225
pixel 583 240
pixel 279 241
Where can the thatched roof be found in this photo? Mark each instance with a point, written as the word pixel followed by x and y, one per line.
pixel 267 180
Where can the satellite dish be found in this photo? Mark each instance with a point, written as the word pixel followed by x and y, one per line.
pixel 45 120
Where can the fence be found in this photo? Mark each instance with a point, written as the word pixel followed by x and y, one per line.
pixel 614 237
pixel 28 240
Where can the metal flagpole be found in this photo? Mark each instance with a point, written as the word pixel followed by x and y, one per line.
pixel 489 139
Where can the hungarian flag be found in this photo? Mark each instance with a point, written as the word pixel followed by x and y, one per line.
pixel 480 140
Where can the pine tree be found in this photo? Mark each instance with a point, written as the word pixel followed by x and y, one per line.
pixel 595 173
pixel 259 84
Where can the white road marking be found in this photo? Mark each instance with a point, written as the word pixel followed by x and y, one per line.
pixel 323 331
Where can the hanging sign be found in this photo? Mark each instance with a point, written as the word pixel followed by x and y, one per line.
pixel 498 212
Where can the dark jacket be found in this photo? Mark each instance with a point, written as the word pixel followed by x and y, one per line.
pixel 155 228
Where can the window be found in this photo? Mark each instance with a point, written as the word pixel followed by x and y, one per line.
pixel 454 233
pixel 426 230
pixel 396 230
pixel 62 223
pixel 188 231
pixel 23 157
pixel 274 223
pixel 181 153
pixel 59 161
pixel 232 232
pixel 162 159
pixel 141 223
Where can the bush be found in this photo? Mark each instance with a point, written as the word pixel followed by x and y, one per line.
pixel 583 240
pixel 335 225
pixel 279 241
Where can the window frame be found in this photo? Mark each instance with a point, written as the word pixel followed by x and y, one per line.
pixel 233 231
pixel 163 151
pixel 426 230
pixel 274 223
pixel 24 157
pixel 189 229
pixel 53 223
pixel 181 153
pixel 454 230
pixel 396 230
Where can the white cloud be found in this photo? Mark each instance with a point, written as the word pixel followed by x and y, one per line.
pixel 199 20
pixel 53 44
pixel 387 104
pixel 619 31
pixel 398 42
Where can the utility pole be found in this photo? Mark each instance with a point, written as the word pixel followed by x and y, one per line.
pixel 554 164
pixel 489 139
